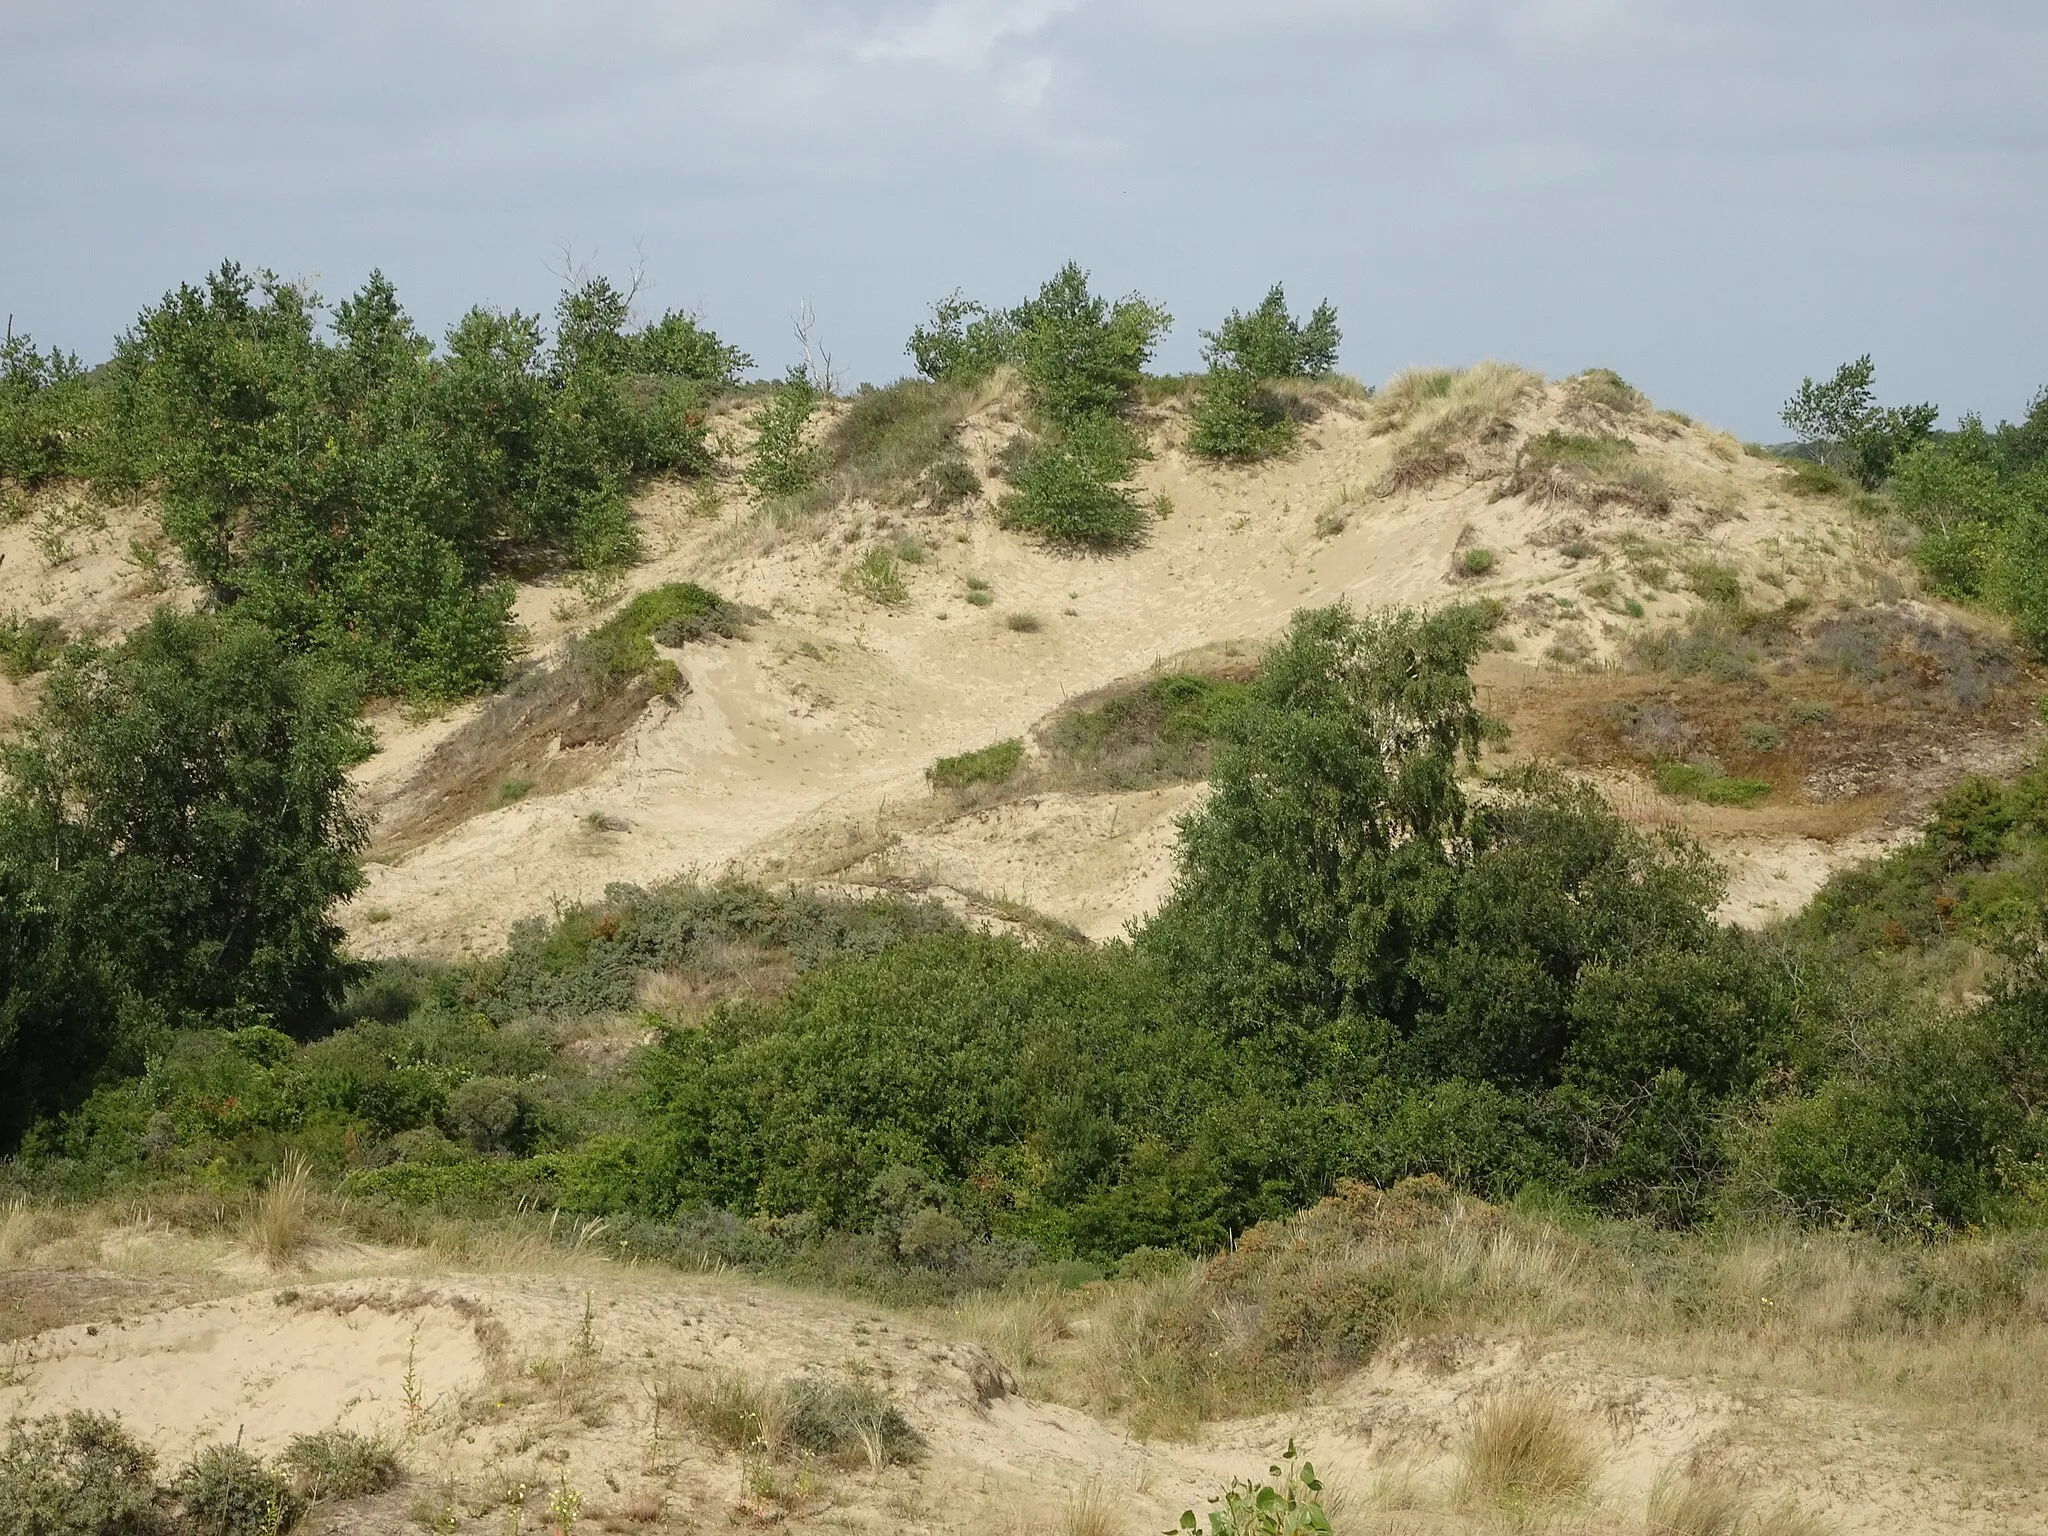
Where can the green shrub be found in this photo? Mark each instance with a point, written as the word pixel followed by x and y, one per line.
pixel 878 576
pixel 77 1474
pixel 226 1491
pixel 339 1464
pixel 28 646
pixel 1476 562
pixel 963 343
pixel 782 461
pixel 1706 782
pixel 673 613
pixel 989 765
pixel 1846 430
pixel 52 417
pixel 1069 490
pixel 1081 356
pixel 354 494
pixel 1235 416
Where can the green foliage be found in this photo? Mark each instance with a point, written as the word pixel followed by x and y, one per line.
pixel 678 346
pixel 963 343
pixel 1235 416
pixel 1476 562
pixel 673 613
pixel 1704 780
pixel 1843 425
pixel 1071 488
pixel 52 417
pixel 1288 1505
pixel 989 765
pixel 176 826
pixel 1081 356
pixel 878 576
pixel 783 462
pixel 900 443
pixel 1161 732
pixel 227 1491
pixel 354 494
pixel 77 1474
pixel 28 645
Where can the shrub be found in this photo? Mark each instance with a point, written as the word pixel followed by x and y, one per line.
pixel 878 576
pixel 28 646
pixel 782 461
pixel 226 1491
pixel 51 415
pixel 1842 424
pixel 1024 623
pixel 963 343
pixel 1476 562
pixel 1235 416
pixel 674 613
pixel 77 1474
pixel 1068 490
pixel 1081 356
pixel 176 826
pixel 1705 781
pixel 340 1464
pixel 989 765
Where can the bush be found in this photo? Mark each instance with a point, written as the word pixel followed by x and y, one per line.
pixel 1841 423
pixel 1476 562
pixel 1235 417
pixel 674 613
pixel 77 1474
pixel 878 576
pixel 782 461
pixel 1068 490
pixel 964 342
pixel 51 415
pixel 990 765
pixel 176 827
pixel 28 646
pixel 340 1464
pixel 226 1491
pixel 354 494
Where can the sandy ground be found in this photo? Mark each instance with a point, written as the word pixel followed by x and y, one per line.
pixel 501 1387
pixel 801 751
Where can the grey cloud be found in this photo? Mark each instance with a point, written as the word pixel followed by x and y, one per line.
pixel 1714 199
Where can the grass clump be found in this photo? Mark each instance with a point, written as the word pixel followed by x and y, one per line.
pixel 672 613
pixel 279 1226
pixel 899 445
pixel 1589 471
pixel 1703 780
pixel 340 1464
pixel 847 1422
pixel 990 765
pixel 1476 562
pixel 78 1474
pixel 1161 732
pixel 1525 1450
pixel 1605 387
pixel 1024 623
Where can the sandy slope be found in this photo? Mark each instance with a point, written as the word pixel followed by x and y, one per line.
pixel 502 1386
pixel 801 751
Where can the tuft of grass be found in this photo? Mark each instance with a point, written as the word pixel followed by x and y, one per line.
pixel 878 576
pixel 1025 623
pixel 851 1423
pixel 1476 562
pixel 1093 1510
pixel 512 791
pixel 1808 477
pixel 1603 386
pixel 1704 781
pixel 1160 732
pixel 1589 471
pixel 899 445
pixel 989 765
pixel 340 1464
pixel 1695 1506
pixel 1524 1450
pixel 280 1226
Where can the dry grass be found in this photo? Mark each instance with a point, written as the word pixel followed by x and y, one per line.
pixel 1695 1504
pixel 280 1224
pixel 1093 1510
pixel 17 1232
pixel 1525 1450
pixel 1441 415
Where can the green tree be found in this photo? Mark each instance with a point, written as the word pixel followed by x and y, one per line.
pixel 50 415
pixel 963 342
pixel 1235 415
pixel 1842 422
pixel 1080 354
pixel 783 462
pixel 178 823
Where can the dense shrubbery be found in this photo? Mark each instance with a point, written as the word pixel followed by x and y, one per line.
pixel 1237 416
pixel 174 828
pixel 357 492
pixel 1842 425
pixel 1082 359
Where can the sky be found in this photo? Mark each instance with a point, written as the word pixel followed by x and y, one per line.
pixel 1713 199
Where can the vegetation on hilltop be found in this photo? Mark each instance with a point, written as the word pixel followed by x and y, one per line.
pixel 1237 416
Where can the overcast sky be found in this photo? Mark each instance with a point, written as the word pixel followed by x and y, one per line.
pixel 1713 197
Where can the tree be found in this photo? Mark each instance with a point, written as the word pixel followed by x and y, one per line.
pixel 1841 421
pixel 1081 355
pixel 178 824
pixel 1236 416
